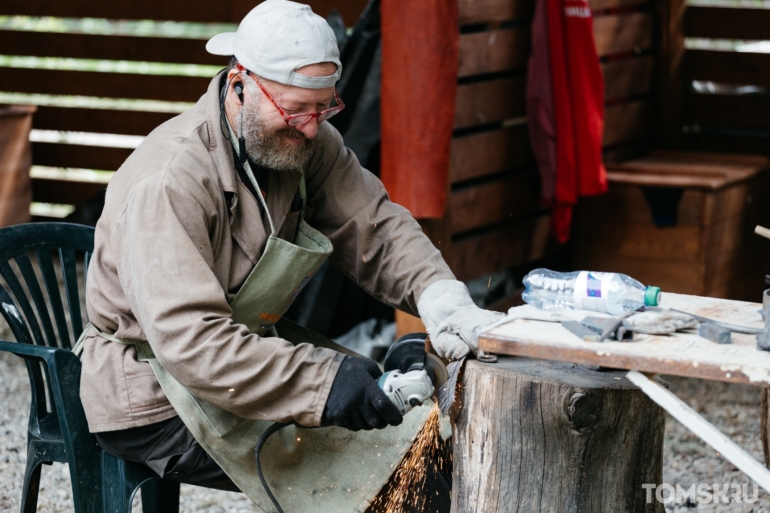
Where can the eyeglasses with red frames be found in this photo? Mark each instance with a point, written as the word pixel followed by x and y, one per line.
pixel 300 119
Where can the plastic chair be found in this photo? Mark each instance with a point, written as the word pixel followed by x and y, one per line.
pixel 58 431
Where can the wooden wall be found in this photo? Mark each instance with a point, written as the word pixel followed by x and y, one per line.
pixel 495 219
pixel 733 116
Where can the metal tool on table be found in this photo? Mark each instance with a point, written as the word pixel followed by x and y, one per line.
pixel 411 373
pixel 598 329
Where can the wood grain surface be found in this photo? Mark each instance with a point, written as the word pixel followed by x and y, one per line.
pixel 682 354
pixel 727 23
pixel 540 436
pixel 486 153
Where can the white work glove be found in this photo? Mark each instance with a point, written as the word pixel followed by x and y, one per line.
pixel 452 319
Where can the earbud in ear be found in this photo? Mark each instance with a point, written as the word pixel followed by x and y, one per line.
pixel 239 90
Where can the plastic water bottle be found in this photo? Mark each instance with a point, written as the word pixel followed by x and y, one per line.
pixel 611 293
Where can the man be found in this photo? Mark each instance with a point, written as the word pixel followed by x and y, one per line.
pixel 211 227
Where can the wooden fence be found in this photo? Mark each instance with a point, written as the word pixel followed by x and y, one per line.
pixel 717 97
pixel 494 220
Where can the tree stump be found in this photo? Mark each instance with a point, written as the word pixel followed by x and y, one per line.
pixel 533 435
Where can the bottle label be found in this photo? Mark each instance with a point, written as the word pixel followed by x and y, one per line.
pixel 591 290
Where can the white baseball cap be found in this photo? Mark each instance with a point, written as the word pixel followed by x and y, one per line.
pixel 277 38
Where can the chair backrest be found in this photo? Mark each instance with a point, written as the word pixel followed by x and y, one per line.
pixel 50 245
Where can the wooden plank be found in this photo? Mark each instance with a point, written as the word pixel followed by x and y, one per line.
pixel 671 244
pixel 406 323
pixel 681 354
pixel 192 10
pixel 627 204
pixel 632 150
pixel 737 143
pixel 688 169
pixel 727 23
pixel 493 51
pixel 679 277
pixel 669 82
pixel 720 110
pixel 476 11
pixel 521 241
pixel 477 155
pixel 491 203
pixel 85 157
pixel 64 192
pixel 703 429
pixel 90 46
pixel 623 33
pixel 682 243
pixel 725 272
pixel 727 67
pixel 112 85
pixel 350 10
pixel 489 102
pixel 746 287
pixel 599 5
pixel 189 10
pixel 732 200
pixel 627 78
pixel 626 121
pixel 99 120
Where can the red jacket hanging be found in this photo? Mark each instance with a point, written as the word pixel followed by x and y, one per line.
pixel 565 107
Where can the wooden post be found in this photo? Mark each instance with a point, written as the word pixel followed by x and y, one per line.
pixel 533 435
pixel 669 85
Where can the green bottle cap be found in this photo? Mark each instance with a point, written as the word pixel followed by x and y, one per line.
pixel 652 296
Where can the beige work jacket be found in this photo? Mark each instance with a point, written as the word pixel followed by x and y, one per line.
pixel 179 235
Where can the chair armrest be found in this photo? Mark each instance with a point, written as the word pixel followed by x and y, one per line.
pixel 30 351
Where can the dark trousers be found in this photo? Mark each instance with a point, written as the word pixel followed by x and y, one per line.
pixel 171 451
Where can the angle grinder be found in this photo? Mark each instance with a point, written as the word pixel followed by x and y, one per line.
pixel 411 373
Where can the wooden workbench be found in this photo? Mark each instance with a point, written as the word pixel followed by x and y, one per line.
pixel 682 354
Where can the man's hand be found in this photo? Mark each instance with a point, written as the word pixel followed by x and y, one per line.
pixel 356 401
pixel 452 319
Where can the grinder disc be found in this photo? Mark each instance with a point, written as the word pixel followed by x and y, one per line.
pixel 439 370
pixel 408 353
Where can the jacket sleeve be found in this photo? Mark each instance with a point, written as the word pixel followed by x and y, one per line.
pixel 166 260
pixel 377 243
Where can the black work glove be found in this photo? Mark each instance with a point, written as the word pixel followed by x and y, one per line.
pixel 356 401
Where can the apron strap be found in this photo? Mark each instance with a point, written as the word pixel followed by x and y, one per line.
pixel 143 350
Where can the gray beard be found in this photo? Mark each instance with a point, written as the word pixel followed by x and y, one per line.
pixel 271 150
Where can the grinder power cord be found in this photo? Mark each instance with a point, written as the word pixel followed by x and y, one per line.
pixel 356 401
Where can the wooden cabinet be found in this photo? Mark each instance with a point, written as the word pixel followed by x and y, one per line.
pixel 701 241
pixel 15 162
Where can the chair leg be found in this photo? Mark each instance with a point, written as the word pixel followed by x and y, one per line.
pixel 160 496
pixel 117 492
pixel 31 481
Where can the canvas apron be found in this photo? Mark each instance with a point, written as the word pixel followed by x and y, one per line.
pixel 318 469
